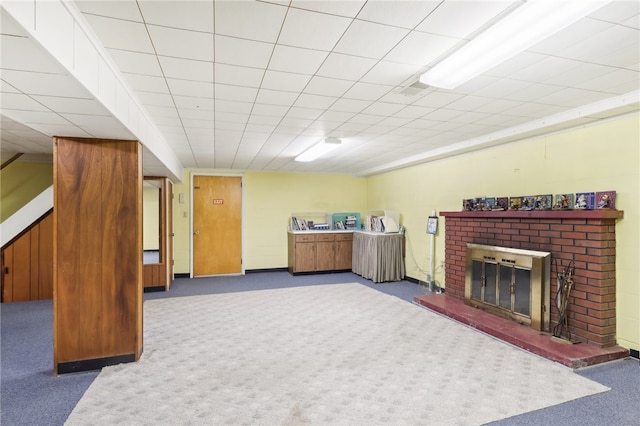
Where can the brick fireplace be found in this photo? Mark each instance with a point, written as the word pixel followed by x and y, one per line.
pixel 585 237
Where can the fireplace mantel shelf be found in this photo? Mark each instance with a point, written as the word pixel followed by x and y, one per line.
pixel 540 214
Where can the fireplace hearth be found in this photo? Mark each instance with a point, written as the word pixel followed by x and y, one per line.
pixel 585 239
pixel 511 283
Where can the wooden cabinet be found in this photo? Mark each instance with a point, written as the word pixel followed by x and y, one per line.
pixel 318 252
pixel 27 264
pixel 344 251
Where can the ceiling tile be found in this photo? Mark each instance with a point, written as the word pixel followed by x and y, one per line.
pixel 21 53
pixel 367 91
pixel 369 39
pixel 235 51
pixel 249 20
pixel 238 76
pixel 147 83
pixel 274 97
pixel 72 105
pixel 235 93
pixel 125 9
pixel 182 43
pixel 461 18
pixel 340 8
pixel 185 14
pixel 420 48
pixel 314 101
pixel 327 86
pixel 121 34
pixel 297 60
pixel 404 14
pixel 20 101
pixel 312 30
pixel 346 67
pixel 390 73
pixel 34 83
pixel 190 88
pixel 277 80
pixel 350 105
pixel 136 63
pixel 186 69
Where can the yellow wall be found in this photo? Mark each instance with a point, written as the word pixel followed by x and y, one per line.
pixel 20 182
pixel 594 158
pixel 269 201
pixel 151 218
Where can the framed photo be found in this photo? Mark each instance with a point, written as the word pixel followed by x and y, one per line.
pixel 515 203
pixel 528 202
pixel 606 200
pixel 502 203
pixel 543 202
pixel 563 202
pixel 584 201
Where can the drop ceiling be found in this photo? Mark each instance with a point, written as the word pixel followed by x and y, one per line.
pixel 249 85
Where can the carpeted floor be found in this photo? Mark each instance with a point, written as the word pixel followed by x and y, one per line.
pixel 315 355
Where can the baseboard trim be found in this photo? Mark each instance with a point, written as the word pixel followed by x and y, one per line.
pixel 253 271
pixel 93 364
pixel 634 353
pixel 183 275
pixel 154 289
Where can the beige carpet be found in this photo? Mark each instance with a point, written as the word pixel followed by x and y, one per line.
pixel 339 354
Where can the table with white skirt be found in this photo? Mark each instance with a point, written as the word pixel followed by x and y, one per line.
pixel 378 256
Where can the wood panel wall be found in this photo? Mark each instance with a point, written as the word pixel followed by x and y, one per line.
pixel 97 253
pixel 27 264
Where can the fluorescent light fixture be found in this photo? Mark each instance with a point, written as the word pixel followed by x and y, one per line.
pixel 319 149
pixel 527 25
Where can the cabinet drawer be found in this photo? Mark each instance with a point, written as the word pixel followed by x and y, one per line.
pixel 305 238
pixel 325 237
pixel 344 237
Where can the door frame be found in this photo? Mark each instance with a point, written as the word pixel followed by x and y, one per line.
pixel 242 245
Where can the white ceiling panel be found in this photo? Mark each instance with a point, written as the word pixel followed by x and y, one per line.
pixel 419 48
pixel 147 83
pixel 249 20
pixel 314 101
pixel 462 17
pixel 193 15
pixel 235 93
pixel 297 60
pixel 238 76
pixel 245 53
pixel 123 9
pixel 340 8
pixel 249 84
pixel 312 30
pixel 369 39
pixel 190 88
pixel 186 69
pixel 403 14
pixel 184 44
pixel 286 81
pixel 136 63
pixel 346 67
pixel 121 34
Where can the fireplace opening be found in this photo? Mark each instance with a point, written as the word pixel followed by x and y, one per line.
pixel 511 283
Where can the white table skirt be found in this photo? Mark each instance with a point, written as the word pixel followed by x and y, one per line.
pixel 377 256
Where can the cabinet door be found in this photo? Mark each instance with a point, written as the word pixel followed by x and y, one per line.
pixel 326 258
pixel 344 251
pixel 305 257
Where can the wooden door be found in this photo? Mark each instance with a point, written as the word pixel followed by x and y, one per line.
pixel 217 225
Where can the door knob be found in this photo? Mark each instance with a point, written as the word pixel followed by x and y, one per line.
pixel 196 232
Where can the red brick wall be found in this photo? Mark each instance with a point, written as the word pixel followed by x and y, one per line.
pixel 585 237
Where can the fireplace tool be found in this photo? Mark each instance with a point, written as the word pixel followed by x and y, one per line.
pixel 565 283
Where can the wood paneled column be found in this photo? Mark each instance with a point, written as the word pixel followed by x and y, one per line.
pixel 97 298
